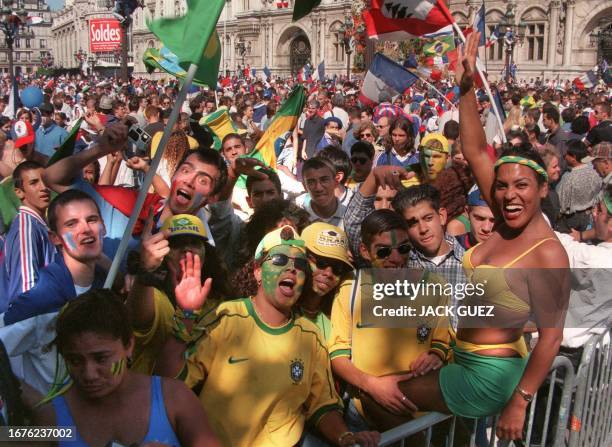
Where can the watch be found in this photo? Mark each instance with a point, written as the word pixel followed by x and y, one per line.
pixel 524 394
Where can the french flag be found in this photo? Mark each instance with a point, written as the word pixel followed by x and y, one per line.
pixel 319 74
pixel 304 74
pixel 405 19
pixel 478 25
pixel 494 37
pixel 587 80
pixel 384 75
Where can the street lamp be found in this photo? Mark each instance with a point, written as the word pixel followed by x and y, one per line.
pixel 117 53
pixel 123 10
pixel 511 34
pixel 13 23
pixel 92 59
pixel 243 49
pixel 349 33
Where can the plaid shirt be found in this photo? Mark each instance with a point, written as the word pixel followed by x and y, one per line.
pixel 358 209
pixel 451 268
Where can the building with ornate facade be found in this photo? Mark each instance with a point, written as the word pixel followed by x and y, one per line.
pixel 30 52
pixel 70 33
pixel 558 40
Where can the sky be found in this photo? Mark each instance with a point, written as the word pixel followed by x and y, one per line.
pixel 55 4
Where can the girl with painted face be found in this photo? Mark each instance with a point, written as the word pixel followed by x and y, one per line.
pixel 112 403
pixel 523 268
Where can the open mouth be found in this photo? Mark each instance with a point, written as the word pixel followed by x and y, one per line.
pixel 88 240
pixel 512 211
pixel 183 197
pixel 286 287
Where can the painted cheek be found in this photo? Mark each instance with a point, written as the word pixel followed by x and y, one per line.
pixel 269 278
pixel 198 199
pixel 69 241
pixel 118 367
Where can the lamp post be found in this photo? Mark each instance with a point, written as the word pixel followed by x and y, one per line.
pixel 243 49
pixel 350 33
pixel 511 33
pixel 80 57
pixel 117 53
pixel 123 10
pixel 92 59
pixel 602 38
pixel 13 23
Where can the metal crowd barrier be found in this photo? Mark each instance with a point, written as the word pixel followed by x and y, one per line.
pixel 398 435
pixel 591 421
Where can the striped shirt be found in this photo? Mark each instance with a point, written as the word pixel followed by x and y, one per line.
pixel 27 250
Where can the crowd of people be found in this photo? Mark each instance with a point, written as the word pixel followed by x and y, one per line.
pixel 237 315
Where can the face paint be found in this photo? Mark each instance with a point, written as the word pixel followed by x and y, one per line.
pixel 118 367
pixel 198 200
pixel 269 276
pixel 69 241
pixel 436 159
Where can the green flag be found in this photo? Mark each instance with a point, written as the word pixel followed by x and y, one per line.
pixel 9 202
pixel 67 147
pixel 439 46
pixel 166 60
pixel 188 36
pixel 303 7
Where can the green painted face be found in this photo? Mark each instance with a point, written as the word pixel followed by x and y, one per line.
pixel 283 284
pixel 118 367
pixel 432 162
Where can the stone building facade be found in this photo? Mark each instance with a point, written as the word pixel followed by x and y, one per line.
pixel 29 53
pixel 260 33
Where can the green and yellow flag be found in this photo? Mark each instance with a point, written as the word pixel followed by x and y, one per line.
pixel 439 46
pixel 192 37
pixel 285 120
pixel 303 7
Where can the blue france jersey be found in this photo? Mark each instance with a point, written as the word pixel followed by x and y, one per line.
pixel 27 249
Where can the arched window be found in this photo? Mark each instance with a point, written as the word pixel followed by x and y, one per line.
pixel 337 38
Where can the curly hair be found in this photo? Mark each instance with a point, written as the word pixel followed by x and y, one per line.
pixel 177 147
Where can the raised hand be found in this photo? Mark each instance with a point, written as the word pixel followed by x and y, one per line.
pixel 391 176
pixel 190 293
pixel 247 165
pixel 154 247
pixel 114 138
pixel 466 63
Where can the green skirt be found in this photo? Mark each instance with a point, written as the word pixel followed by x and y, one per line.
pixel 476 385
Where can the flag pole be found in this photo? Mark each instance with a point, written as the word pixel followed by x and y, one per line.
pixel 478 69
pixel 123 245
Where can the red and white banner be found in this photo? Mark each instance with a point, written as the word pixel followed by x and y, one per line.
pixel 104 35
pixel 405 19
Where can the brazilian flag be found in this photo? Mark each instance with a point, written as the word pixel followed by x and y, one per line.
pixel 439 47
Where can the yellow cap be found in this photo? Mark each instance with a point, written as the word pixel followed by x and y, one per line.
pixel 429 138
pixel 281 236
pixel 182 224
pixel 328 241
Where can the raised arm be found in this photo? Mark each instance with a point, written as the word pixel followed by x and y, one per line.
pixel 473 139
pixel 59 176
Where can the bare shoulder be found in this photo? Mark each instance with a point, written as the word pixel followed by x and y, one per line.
pixel 551 254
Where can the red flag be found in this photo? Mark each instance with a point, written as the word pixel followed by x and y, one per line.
pixel 401 19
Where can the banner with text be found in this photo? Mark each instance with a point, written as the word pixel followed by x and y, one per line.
pixel 104 35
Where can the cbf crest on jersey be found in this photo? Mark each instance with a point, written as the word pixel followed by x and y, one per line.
pixel 296 370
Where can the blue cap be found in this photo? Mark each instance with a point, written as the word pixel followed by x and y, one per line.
pixel 475 199
pixel 333 119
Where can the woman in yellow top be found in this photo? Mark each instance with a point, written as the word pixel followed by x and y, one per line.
pixel 492 372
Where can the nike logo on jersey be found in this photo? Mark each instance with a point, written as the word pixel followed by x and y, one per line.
pixel 233 360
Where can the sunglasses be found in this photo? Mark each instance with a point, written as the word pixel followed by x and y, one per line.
pixel 359 160
pixel 385 252
pixel 365 135
pixel 338 268
pixel 281 260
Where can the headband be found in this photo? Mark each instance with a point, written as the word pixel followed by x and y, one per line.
pixel 522 161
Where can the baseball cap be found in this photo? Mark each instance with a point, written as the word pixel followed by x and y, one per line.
pixel 475 199
pixel 333 119
pixel 22 133
pixel 185 224
pixel 327 240
pixel 429 138
pixel 281 236
pixel 600 150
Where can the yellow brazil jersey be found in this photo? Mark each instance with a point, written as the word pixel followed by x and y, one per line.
pixel 261 383
pixel 149 341
pixel 380 351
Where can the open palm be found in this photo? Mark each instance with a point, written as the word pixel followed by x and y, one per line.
pixel 466 64
pixel 190 293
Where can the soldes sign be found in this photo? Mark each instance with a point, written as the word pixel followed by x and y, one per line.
pixel 104 35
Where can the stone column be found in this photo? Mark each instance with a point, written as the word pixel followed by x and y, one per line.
pixel 322 26
pixel 473 6
pixel 553 24
pixel 232 51
pixel 569 28
pixel 315 56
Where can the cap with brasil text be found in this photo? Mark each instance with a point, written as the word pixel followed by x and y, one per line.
pixel 281 236
pixel 328 241
pixel 185 224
